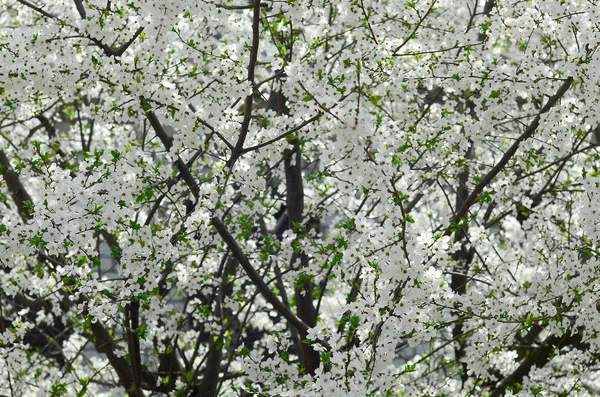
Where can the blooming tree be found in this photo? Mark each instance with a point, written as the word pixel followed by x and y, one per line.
pixel 299 198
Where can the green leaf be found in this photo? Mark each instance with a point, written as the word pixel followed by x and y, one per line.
pixel 485 197
pixel 116 155
pixel 58 389
pixel 29 207
pixel 354 322
pixel 145 196
pixel 485 26
pixel 457 226
pixel 142 297
pixel 375 99
pixel 115 252
pixel 37 241
pixel 244 351
pixel 142 332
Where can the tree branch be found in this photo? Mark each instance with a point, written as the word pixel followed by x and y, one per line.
pixel 539 358
pixel 487 179
pixel 285 134
pixel 239 146
pixel 256 278
pixel 209 386
pixel 295 209
pixel 167 142
pixel 121 50
pixel 105 344
pixel 36 8
pixel 108 50
pixel 16 189
pixel 241 7
pixel 80 8
pixel 132 319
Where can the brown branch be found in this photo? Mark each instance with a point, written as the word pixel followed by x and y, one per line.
pixel 241 7
pixel 487 179
pixel 108 50
pixel 118 52
pixel 132 319
pixel 105 344
pixel 36 8
pixel 284 135
pixel 210 380
pixel 412 34
pixel 167 142
pixel 140 376
pixel 350 298
pixel 462 258
pixel 239 146
pixel 539 358
pixel 17 191
pixel 295 208
pixel 80 8
pixel 256 278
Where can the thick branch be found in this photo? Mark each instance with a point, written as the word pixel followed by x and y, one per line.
pixel 210 379
pixel 539 358
pixel 111 52
pixel 119 51
pixel 139 375
pixel 80 8
pixel 132 319
pixel 105 344
pixel 17 191
pixel 295 208
pixel 462 258
pixel 243 7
